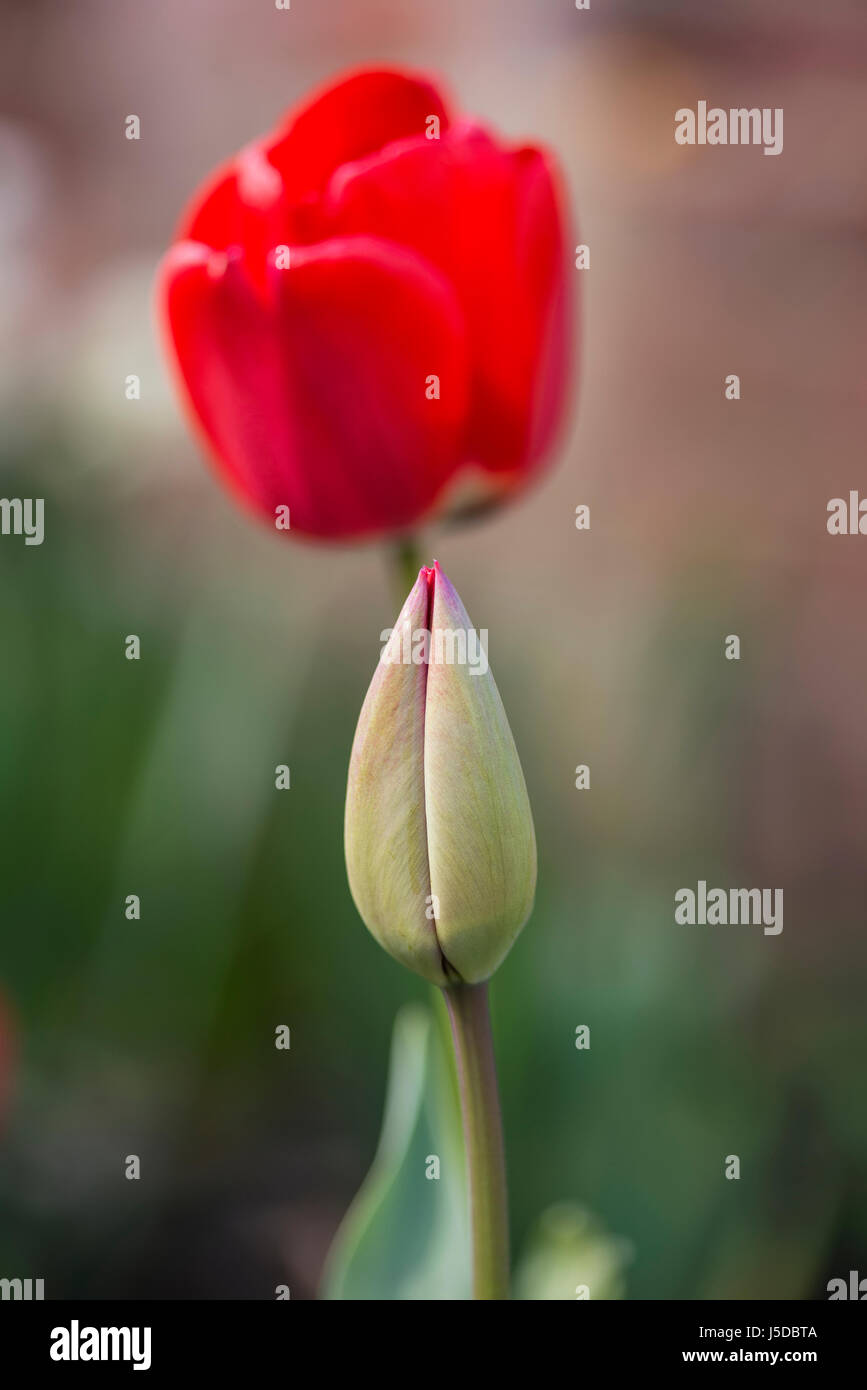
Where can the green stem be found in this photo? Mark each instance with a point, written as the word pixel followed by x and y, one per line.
pixel 483 1136
pixel 406 563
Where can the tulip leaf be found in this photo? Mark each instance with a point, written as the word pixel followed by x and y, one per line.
pixel 407 1233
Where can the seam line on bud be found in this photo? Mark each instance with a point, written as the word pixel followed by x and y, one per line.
pixel 452 975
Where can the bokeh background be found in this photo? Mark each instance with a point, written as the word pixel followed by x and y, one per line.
pixel 156 777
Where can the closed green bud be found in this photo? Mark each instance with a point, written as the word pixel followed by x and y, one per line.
pixel 440 848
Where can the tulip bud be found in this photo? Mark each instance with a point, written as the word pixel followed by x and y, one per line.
pixel 440 848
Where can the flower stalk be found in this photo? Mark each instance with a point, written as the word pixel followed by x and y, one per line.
pixel 483 1136
pixel 406 562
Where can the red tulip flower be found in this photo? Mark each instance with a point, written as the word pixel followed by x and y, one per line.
pixel 368 311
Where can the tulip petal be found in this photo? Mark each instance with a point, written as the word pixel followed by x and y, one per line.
pixel 242 206
pixel 267 195
pixel 386 843
pixel 481 843
pixel 350 119
pixel 489 219
pixel 313 394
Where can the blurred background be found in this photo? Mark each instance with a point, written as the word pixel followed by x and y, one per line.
pixel 156 777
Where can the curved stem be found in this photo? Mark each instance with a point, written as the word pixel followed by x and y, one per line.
pixel 483 1136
